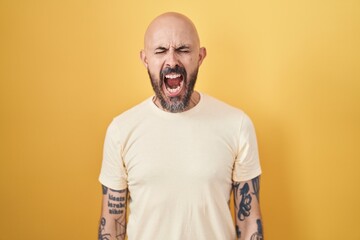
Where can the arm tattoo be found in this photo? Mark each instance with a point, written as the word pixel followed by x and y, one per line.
pixel 101 235
pixel 104 190
pixel 259 234
pixel 238 232
pixel 118 191
pixel 244 194
pixel 245 200
pixel 120 226
pixel 116 204
pixel 256 186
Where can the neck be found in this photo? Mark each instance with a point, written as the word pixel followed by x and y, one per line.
pixel 194 100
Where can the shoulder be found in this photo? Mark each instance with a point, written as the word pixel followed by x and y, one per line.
pixel 126 120
pixel 222 109
pixel 136 112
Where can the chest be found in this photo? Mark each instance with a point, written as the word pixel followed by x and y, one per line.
pixel 183 155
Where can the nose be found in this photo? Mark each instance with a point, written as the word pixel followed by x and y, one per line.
pixel 172 59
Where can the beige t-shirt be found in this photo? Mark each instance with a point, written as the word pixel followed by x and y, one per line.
pixel 179 168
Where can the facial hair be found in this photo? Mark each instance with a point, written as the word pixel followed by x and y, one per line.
pixel 178 103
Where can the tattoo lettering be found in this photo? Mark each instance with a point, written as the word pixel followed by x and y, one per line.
pixel 256 186
pixel 116 204
pixel 259 234
pixel 101 235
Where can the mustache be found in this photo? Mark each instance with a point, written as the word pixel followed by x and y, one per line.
pixel 176 69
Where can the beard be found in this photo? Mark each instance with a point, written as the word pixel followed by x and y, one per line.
pixel 178 103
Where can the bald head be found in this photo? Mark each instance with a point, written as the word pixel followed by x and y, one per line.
pixel 171 27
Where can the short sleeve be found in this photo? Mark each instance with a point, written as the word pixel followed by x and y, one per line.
pixel 247 164
pixel 113 172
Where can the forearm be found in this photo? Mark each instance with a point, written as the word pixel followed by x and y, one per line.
pixel 247 210
pixel 113 215
pixel 250 229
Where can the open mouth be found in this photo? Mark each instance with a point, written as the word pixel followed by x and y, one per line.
pixel 173 84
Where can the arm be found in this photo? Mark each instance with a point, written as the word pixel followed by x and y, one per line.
pixel 113 214
pixel 247 210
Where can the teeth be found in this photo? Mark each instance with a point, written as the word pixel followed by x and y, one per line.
pixel 173 76
pixel 172 90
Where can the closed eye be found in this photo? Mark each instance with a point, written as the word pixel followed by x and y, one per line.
pixel 183 49
pixel 160 50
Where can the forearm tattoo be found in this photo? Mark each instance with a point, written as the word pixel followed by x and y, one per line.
pixel 259 234
pixel 244 207
pixel 256 186
pixel 116 206
pixel 238 232
pixel 101 234
pixel 243 200
pixel 243 196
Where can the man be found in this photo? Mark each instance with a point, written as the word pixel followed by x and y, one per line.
pixel 179 154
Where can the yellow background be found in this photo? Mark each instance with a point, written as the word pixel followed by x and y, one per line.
pixel 68 67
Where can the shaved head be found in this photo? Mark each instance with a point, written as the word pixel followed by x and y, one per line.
pixel 172 56
pixel 171 23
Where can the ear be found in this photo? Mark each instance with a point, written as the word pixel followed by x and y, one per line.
pixel 143 58
pixel 202 55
